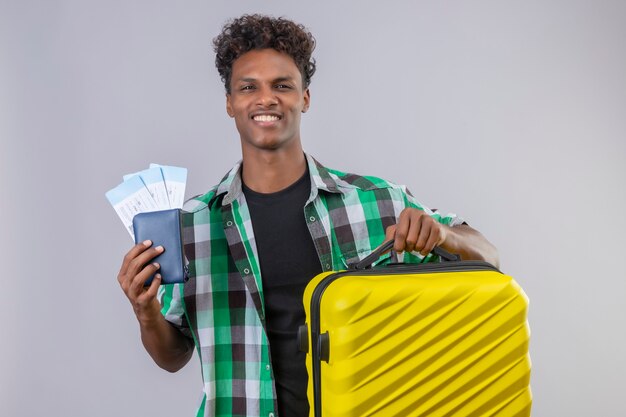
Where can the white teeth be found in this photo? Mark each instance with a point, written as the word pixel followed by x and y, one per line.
pixel 265 118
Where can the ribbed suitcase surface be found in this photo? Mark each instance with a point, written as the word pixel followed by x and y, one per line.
pixel 448 339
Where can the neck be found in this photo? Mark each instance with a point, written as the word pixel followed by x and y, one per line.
pixel 272 171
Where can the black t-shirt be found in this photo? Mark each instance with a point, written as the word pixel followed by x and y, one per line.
pixel 288 262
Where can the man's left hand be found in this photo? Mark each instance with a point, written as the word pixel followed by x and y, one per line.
pixel 416 231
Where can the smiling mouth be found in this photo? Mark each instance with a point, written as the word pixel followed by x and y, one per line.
pixel 265 118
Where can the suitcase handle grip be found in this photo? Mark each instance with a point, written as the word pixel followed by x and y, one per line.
pixel 367 262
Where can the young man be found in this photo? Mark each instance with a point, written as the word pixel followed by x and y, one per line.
pixel 275 220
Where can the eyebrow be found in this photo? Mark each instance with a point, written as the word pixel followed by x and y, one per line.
pixel 280 79
pixel 276 80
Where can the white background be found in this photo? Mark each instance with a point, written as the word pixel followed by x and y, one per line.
pixel 509 113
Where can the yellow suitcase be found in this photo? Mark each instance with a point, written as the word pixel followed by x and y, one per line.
pixel 433 339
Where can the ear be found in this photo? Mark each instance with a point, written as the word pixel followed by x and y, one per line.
pixel 307 100
pixel 229 106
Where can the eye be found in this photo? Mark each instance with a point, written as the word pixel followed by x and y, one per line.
pixel 246 87
pixel 283 86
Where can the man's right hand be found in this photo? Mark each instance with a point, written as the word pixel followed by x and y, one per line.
pixel 136 269
pixel 169 348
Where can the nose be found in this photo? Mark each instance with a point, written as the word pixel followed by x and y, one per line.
pixel 266 97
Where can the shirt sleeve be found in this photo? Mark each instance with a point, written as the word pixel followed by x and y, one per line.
pixel 172 307
pixel 449 219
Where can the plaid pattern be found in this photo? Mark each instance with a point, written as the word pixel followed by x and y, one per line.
pixel 221 306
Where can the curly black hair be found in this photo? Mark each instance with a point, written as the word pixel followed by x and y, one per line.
pixel 250 32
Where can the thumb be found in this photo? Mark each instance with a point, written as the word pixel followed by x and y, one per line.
pixel 390 233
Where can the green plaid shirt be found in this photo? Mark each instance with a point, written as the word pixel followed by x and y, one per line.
pixel 221 306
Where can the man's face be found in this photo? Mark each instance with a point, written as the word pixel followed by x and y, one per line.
pixel 266 99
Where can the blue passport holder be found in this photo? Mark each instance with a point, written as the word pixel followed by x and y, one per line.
pixel 164 228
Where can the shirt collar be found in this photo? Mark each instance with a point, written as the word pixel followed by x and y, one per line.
pixel 321 179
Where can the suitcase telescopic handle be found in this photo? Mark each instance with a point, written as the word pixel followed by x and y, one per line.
pixel 367 262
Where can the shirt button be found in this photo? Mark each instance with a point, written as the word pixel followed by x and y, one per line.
pixel 327 266
pixel 229 223
pixel 312 218
pixel 267 367
pixel 246 271
pixel 271 415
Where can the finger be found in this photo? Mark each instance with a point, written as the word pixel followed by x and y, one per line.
pixel 413 234
pixel 402 229
pixel 433 239
pixel 424 233
pixel 137 264
pixel 137 285
pixel 132 254
pixel 135 267
pixel 152 290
